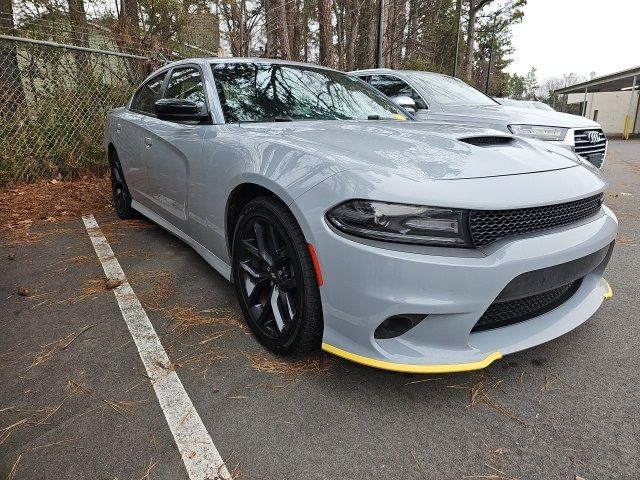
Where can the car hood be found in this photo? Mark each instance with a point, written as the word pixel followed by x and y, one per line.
pixel 518 115
pixel 415 149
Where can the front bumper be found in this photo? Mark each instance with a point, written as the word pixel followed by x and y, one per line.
pixel 365 283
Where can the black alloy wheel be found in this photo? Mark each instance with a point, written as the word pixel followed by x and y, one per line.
pixel 121 195
pixel 275 278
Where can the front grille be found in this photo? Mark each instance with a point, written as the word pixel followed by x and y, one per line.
pixel 490 225
pixel 584 146
pixel 502 314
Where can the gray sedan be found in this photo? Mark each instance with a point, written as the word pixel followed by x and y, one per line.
pixel 344 225
pixel 441 98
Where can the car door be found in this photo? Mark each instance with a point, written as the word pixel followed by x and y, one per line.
pixel 171 148
pixel 393 86
pixel 128 136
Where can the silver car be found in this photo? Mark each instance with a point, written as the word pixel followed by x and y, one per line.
pixel 524 104
pixel 398 244
pixel 441 98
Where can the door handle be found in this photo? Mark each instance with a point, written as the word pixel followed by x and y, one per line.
pixel 118 127
pixel 147 142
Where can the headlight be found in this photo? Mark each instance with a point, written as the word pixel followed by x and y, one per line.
pixel 539 131
pixel 393 222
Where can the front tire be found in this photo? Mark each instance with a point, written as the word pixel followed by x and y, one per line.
pixel 275 278
pixel 121 195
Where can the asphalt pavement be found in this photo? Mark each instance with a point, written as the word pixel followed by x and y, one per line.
pixel 76 401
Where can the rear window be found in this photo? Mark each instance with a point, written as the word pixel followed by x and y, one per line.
pixel 450 91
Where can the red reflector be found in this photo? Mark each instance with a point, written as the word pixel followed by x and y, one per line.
pixel 316 265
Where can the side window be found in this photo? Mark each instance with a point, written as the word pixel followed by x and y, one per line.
pixel 394 87
pixel 364 78
pixel 186 84
pixel 145 99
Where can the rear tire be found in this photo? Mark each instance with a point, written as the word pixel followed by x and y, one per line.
pixel 121 195
pixel 275 279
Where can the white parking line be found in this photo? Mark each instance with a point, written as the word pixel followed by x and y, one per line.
pixel 200 456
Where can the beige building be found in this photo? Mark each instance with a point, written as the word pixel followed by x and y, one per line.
pixel 607 108
pixel 611 100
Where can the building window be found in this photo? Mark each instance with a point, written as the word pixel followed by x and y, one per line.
pixel 595 115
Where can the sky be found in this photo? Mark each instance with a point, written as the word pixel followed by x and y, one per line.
pixel 560 37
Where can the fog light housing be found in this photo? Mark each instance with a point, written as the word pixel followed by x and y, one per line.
pixel 397 325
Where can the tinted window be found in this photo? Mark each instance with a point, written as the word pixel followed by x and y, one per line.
pixel 394 87
pixel 261 92
pixel 450 91
pixel 145 99
pixel 186 84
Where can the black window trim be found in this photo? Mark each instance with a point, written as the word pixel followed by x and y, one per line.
pixel 197 66
pixel 168 72
pixel 371 75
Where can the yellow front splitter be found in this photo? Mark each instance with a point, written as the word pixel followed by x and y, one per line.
pixel 410 368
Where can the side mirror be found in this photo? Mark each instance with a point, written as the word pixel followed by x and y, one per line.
pixel 176 109
pixel 405 102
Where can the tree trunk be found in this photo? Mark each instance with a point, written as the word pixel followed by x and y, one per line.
pixel 270 25
pixel 78 19
pixel 412 32
pixel 293 30
pixel 400 19
pixel 10 76
pixel 242 26
pixel 389 33
pixel 283 29
pixel 128 25
pixel 304 30
pixel 371 35
pixel 338 10
pixel 326 33
pixel 467 66
pixel 352 33
pixel 474 7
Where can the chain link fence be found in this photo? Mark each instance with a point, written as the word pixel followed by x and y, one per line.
pixel 54 101
pixel 56 85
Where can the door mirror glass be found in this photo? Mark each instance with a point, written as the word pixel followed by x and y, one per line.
pixel 405 102
pixel 177 109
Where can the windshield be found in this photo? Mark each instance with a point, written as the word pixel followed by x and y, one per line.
pixel 262 92
pixel 450 91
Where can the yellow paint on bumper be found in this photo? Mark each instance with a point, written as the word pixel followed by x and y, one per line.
pixel 609 293
pixel 411 368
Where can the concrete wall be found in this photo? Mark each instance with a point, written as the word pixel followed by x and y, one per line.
pixel 612 108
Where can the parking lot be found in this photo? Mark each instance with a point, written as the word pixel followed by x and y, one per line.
pixel 76 400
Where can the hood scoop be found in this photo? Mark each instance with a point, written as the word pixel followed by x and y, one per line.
pixel 487 141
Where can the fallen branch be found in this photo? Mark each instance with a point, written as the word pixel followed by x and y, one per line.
pixel 84 329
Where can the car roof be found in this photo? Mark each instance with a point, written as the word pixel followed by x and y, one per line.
pixel 370 71
pixel 270 61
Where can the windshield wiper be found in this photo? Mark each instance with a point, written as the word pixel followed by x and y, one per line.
pixel 378 117
pixel 266 120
